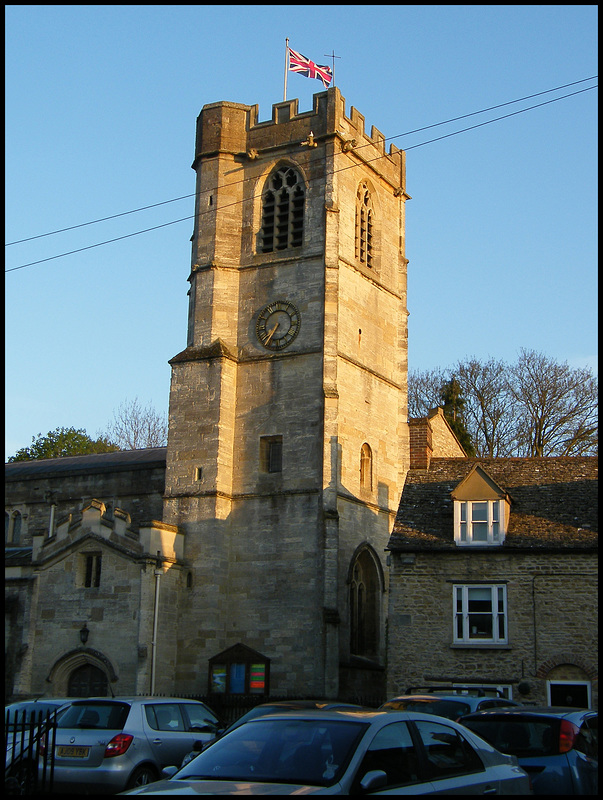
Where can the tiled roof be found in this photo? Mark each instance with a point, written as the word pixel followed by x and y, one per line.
pixel 98 462
pixel 554 502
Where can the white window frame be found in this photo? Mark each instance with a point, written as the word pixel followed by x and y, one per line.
pixel 553 682
pixel 505 688
pixel 465 621
pixel 466 522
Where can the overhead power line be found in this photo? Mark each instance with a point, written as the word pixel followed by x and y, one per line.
pixel 407 133
pixel 397 136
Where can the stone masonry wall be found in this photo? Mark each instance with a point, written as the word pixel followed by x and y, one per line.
pixel 550 597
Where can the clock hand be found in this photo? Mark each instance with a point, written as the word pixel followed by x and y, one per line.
pixel 271 334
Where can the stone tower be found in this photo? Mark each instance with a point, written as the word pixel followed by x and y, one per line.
pixel 288 435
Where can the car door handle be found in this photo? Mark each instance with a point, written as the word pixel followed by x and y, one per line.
pixel 157 741
pixel 490 790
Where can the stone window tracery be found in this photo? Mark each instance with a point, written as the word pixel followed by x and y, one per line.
pixel 282 211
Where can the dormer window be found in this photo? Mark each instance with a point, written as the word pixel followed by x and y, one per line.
pixel 479 522
pixel 481 511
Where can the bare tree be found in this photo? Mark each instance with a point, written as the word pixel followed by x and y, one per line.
pixel 536 407
pixel 489 413
pixel 424 390
pixel 558 407
pixel 134 427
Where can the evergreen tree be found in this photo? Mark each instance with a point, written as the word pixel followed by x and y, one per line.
pixel 63 442
pixel 453 405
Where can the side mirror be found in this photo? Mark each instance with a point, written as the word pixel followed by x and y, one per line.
pixel 375 779
pixel 209 728
pixel 168 772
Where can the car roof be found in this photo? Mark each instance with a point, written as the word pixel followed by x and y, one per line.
pixel 523 711
pixel 349 714
pixel 428 698
pixel 134 699
pixel 301 704
pixel 466 691
pixel 39 701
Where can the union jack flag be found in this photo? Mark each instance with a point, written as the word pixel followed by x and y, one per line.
pixel 299 63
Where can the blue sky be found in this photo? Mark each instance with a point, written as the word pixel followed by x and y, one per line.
pixel 101 103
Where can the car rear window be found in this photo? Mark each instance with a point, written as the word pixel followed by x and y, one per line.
pixel 443 708
pixel 521 737
pixel 97 715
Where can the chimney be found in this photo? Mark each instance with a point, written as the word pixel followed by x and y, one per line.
pixel 421 448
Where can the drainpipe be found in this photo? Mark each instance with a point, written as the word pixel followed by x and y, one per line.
pixel 50 498
pixel 158 574
pixel 534 623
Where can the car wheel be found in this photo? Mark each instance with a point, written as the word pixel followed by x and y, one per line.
pixel 21 778
pixel 142 776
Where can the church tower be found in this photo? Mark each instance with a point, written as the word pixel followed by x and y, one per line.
pixel 288 433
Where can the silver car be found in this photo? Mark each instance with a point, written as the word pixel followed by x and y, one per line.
pixel 347 752
pixel 106 745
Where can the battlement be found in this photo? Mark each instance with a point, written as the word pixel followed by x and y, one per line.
pixel 234 127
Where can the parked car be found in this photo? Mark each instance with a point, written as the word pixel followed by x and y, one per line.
pixel 20 720
pixel 263 709
pixel 347 752
pixel 452 702
pixel 557 747
pixel 105 745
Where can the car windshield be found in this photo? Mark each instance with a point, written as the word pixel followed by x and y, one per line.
pixel 97 715
pixel 519 736
pixel 443 708
pixel 279 750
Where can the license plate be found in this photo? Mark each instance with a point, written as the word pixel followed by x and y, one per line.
pixel 72 752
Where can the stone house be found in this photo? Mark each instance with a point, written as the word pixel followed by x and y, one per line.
pixel 493 578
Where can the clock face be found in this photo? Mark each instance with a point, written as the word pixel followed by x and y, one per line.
pixel 278 324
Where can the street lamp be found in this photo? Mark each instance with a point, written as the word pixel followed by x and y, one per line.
pixel 84 634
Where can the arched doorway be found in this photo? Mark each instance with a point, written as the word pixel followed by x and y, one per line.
pixel 87 681
pixel 83 672
pixel 365 605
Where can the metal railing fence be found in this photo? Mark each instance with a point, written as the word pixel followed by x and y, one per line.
pixel 29 745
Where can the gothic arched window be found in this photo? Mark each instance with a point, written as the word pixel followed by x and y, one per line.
pixel 364 226
pixel 282 211
pixel 364 606
pixel 16 537
pixel 366 467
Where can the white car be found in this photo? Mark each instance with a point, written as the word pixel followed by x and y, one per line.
pixel 347 752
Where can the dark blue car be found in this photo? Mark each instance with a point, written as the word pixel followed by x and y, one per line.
pixel 557 747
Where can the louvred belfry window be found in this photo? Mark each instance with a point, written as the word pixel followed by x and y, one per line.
pixel 364 227
pixel 282 211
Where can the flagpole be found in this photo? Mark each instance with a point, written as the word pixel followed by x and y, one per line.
pixel 286 67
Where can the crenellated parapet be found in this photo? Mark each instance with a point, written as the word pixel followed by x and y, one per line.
pixel 235 128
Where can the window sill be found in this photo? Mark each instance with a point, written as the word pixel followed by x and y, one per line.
pixel 479 646
pixel 479 545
